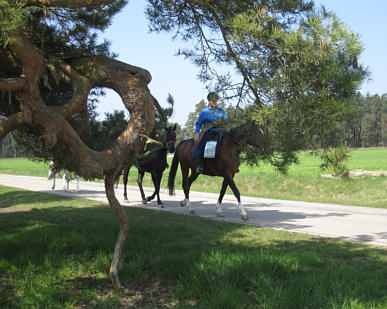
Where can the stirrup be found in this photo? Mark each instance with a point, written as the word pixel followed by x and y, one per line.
pixel 199 169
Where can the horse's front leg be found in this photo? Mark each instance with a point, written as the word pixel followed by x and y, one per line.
pixel 77 177
pixel 66 181
pixel 235 190
pixel 156 178
pixel 53 182
pixel 139 183
pixel 219 211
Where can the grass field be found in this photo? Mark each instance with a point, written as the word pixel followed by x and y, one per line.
pixel 304 181
pixel 55 252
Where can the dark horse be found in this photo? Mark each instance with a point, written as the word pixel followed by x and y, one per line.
pixel 154 163
pixel 225 164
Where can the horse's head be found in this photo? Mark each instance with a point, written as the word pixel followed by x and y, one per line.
pixel 248 133
pixel 170 138
pixel 255 134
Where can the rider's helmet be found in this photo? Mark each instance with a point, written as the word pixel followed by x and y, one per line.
pixel 212 96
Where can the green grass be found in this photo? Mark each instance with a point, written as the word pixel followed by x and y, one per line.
pixel 55 252
pixel 303 183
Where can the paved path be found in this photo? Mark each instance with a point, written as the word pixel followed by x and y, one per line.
pixel 363 224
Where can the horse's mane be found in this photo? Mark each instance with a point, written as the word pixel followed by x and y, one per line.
pixel 235 132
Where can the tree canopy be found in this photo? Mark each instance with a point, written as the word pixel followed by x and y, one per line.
pixel 296 65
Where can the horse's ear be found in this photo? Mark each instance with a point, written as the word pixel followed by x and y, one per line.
pixel 174 127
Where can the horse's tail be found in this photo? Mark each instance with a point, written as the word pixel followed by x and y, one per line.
pixel 172 171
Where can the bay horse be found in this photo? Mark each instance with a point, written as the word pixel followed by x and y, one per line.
pixel 225 164
pixel 154 163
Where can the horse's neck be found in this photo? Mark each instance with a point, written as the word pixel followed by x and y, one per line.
pixel 160 154
pixel 236 140
pixel 163 151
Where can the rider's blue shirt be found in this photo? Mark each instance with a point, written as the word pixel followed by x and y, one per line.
pixel 210 115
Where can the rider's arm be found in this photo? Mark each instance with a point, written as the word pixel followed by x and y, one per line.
pixel 224 115
pixel 199 122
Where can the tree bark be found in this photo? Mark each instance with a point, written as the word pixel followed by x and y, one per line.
pixel 124 227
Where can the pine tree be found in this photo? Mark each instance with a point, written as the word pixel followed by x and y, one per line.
pixel 296 65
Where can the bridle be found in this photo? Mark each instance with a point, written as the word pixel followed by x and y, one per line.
pixel 166 142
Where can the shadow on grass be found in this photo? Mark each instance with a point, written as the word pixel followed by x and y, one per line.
pixel 15 197
pixel 61 255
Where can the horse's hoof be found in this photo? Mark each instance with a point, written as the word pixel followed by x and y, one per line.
pixel 126 199
pixel 192 212
pixel 161 205
pixel 183 203
pixel 148 199
pixel 245 217
pixel 144 201
pixel 220 214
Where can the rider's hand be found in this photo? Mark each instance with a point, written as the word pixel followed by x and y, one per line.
pixel 196 138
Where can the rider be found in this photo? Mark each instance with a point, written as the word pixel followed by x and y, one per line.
pixel 206 123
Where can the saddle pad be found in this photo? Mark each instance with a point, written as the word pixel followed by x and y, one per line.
pixel 210 150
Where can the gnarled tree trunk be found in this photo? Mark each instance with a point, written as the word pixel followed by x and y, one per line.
pixel 83 72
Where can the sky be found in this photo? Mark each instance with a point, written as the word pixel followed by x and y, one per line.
pixel 130 38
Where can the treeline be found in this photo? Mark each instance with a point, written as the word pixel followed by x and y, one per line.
pixel 367 126
pixel 9 148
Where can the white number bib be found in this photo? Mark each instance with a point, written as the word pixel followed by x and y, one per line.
pixel 210 149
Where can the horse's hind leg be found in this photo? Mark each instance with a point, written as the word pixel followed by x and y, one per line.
pixel 184 185
pixel 139 182
pixel 187 182
pixel 238 197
